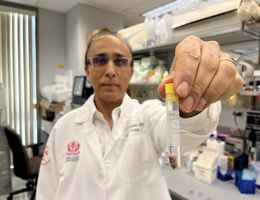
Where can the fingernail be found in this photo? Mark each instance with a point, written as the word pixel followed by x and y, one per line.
pixel 201 104
pixel 187 104
pixel 183 89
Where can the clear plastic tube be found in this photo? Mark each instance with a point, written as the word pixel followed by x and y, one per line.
pixel 173 125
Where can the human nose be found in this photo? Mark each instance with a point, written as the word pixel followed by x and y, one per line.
pixel 110 69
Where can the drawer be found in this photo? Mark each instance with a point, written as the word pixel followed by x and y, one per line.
pixel 5 182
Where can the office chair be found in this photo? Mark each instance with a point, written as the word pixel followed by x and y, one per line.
pixel 24 167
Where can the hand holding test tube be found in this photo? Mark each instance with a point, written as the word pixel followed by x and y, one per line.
pixel 173 126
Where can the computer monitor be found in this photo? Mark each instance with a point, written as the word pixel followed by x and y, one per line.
pixel 80 91
pixel 78 85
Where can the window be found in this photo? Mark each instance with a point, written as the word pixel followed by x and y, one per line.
pixel 18 70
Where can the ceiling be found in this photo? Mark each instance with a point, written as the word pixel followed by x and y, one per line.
pixel 130 9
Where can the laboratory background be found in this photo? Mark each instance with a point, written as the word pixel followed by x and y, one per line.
pixel 43 43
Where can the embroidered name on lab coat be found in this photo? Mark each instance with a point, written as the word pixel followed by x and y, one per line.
pixel 134 129
pixel 73 151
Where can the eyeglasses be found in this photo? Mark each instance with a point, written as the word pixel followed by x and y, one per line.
pixel 101 61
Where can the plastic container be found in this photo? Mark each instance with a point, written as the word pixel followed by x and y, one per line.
pixel 223 164
pixel 225 177
pixel 244 186
pixel 241 162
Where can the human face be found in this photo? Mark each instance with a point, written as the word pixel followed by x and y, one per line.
pixel 109 70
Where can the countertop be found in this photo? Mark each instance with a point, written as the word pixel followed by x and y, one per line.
pixel 185 186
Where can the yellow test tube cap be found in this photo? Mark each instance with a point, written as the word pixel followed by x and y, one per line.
pixel 169 92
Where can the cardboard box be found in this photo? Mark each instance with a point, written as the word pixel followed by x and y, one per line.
pixel 53 106
pixel 47 114
pixel 48 109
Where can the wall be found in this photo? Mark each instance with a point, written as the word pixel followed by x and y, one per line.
pixel 81 20
pixel 73 39
pixel 227 117
pixel 62 38
pixel 52 45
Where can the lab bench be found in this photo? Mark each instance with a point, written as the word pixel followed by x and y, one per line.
pixel 184 186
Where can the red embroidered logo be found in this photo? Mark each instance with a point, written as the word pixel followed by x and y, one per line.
pixel 73 148
pixel 46 157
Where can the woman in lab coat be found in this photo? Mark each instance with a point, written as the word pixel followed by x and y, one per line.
pixel 108 149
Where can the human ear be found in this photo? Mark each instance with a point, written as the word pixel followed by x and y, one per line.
pixel 87 73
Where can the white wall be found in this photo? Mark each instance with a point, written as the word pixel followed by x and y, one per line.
pixel 227 118
pixel 52 45
pixel 73 39
pixel 81 20
pixel 62 38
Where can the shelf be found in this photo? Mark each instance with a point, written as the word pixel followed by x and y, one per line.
pixel 143 91
pixel 225 28
pixel 249 93
pixel 253 29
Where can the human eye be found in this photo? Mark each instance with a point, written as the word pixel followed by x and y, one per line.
pixel 100 61
pixel 121 62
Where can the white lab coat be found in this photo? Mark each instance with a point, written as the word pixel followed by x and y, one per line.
pixel 73 166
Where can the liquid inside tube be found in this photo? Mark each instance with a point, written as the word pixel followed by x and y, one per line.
pixel 173 127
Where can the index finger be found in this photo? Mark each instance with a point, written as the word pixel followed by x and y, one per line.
pixel 185 64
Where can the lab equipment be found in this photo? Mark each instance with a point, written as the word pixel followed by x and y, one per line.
pixel 59 91
pixel 217 145
pixel 81 90
pixel 186 162
pixel 245 182
pixel 226 177
pixel 223 164
pixel 232 155
pixel 241 162
pixel 78 85
pixel 255 167
pixel 173 124
pixel 206 166
pixel 223 173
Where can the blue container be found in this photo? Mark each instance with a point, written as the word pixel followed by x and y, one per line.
pixel 244 186
pixel 226 177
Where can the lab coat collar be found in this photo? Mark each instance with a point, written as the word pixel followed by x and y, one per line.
pixel 89 109
pixel 85 117
pixel 86 111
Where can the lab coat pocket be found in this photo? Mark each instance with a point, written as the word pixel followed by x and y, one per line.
pixel 135 162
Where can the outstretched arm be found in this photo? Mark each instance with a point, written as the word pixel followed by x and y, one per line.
pixel 202 74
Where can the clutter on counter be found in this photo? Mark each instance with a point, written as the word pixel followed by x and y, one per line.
pixel 216 160
pixel 48 108
pixel 58 91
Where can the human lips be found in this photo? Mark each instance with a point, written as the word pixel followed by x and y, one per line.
pixel 109 85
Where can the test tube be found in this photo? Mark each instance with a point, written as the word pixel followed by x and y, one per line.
pixel 173 125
